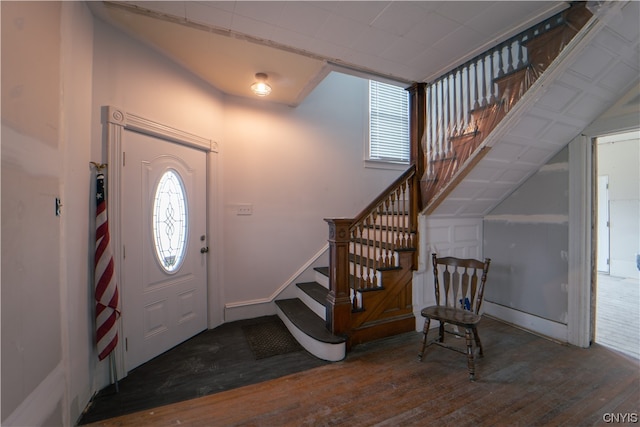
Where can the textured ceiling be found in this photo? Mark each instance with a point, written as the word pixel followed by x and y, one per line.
pixel 298 42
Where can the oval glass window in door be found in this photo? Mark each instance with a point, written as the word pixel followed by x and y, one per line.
pixel 170 221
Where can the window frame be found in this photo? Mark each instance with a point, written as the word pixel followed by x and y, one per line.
pixel 385 163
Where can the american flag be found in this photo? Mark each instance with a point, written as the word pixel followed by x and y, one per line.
pixel 106 295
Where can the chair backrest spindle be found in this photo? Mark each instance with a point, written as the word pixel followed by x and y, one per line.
pixel 462 281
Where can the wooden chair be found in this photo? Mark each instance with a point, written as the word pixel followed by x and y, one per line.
pixel 463 283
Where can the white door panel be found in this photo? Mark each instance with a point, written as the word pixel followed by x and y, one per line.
pixel 164 301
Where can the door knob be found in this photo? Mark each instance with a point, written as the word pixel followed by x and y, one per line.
pixel 204 250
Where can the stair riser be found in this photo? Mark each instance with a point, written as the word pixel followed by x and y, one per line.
pixel 322 279
pixel 314 305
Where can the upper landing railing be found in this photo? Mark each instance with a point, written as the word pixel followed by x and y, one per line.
pixel 495 80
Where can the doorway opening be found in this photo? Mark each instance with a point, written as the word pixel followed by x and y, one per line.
pixel 617 323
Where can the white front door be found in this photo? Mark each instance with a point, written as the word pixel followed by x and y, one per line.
pixel 164 272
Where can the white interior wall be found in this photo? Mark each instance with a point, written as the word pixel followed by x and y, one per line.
pixel 134 77
pixel 45 154
pixel 294 167
pixel 76 250
pixel 527 236
pixel 619 159
pixel 32 150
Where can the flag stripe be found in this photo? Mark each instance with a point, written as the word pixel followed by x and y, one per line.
pixel 106 288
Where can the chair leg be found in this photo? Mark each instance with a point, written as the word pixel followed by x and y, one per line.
pixel 441 331
pixel 478 343
pixel 470 364
pixel 425 331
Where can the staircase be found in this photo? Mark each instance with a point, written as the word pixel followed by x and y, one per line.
pixel 366 291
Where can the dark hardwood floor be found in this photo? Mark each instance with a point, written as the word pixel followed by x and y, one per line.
pixel 523 380
pixel 216 360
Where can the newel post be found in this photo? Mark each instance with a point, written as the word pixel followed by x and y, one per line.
pixel 338 299
pixel 417 122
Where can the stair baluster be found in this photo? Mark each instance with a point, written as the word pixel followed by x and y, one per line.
pixel 365 248
pixel 492 86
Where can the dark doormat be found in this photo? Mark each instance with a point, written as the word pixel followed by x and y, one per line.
pixel 270 338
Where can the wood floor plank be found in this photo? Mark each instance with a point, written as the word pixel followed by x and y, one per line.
pixel 618 314
pixel 522 380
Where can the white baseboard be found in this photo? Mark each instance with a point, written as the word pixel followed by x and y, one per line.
pixel 249 310
pixel 266 306
pixel 547 328
pixel 36 409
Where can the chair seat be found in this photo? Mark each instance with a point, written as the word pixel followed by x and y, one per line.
pixel 456 316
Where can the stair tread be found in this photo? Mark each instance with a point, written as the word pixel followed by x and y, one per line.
pixel 322 270
pixel 315 290
pixel 307 321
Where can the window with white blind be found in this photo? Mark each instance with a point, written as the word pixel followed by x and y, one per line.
pixel 388 123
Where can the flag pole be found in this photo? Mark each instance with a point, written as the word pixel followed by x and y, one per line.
pixel 114 370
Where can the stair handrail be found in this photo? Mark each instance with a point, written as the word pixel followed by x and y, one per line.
pixel 386 225
pixel 406 175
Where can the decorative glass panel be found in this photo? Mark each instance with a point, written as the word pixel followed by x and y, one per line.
pixel 170 221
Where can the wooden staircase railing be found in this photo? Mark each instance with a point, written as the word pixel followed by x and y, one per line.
pixel 466 104
pixel 372 256
pixel 366 251
pixel 362 249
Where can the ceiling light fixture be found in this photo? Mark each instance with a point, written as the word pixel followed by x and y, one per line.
pixel 260 87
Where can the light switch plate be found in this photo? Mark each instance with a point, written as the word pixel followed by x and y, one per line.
pixel 244 209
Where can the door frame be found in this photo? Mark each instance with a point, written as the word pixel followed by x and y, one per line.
pixel 602 224
pixel 620 118
pixel 581 259
pixel 117 121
